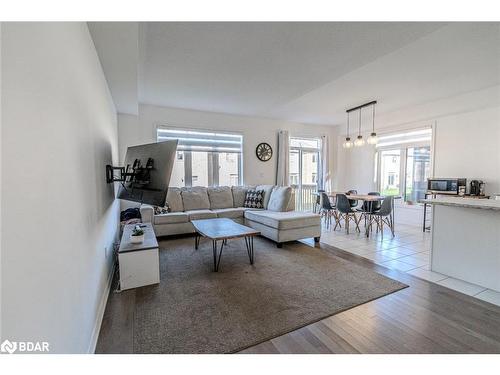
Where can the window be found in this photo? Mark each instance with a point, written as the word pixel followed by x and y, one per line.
pixel 304 170
pixel 404 163
pixel 205 158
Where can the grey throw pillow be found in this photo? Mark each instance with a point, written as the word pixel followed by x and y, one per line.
pixel 280 196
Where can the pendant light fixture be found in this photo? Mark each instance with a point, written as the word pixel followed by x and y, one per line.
pixel 359 140
pixel 347 143
pixel 372 139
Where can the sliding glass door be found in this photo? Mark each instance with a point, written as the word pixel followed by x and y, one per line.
pixel 404 171
pixel 304 167
pixel 390 172
pixel 418 164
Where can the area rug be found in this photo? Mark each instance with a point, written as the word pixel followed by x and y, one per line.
pixel 195 310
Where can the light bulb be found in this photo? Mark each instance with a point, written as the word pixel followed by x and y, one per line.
pixel 347 143
pixel 372 139
pixel 359 141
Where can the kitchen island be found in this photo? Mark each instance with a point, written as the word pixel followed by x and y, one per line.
pixel 466 239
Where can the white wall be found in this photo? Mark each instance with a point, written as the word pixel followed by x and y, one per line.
pixel 58 214
pixel 468 145
pixel 133 130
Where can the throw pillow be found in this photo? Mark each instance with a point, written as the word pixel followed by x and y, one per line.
pixel 254 199
pixel 161 210
pixel 280 197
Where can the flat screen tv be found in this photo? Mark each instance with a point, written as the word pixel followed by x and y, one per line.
pixel 146 173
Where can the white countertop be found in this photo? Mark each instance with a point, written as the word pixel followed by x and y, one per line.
pixel 485 204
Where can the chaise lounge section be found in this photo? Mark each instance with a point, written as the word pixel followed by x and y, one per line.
pixel 277 220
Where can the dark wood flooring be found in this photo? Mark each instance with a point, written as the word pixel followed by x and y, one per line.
pixel 424 318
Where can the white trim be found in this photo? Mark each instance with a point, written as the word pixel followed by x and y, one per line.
pixel 100 312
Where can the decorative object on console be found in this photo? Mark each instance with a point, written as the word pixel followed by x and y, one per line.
pixel 264 151
pixel 254 199
pixel 137 235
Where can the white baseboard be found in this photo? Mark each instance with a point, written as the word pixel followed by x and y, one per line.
pixel 100 312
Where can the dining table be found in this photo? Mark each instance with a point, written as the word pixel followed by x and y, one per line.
pixel 369 199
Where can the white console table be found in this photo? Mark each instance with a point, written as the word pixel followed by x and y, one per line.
pixel 466 239
pixel 139 263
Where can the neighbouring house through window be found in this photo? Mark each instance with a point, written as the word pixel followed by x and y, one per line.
pixel 304 170
pixel 205 158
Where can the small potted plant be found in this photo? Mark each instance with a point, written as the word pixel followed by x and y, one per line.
pixel 137 235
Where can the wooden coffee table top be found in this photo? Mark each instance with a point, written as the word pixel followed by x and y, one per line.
pixel 221 229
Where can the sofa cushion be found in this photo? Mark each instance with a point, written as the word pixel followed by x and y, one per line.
pixel 230 213
pixel 171 218
pixel 220 197
pixel 280 196
pixel 254 199
pixel 195 198
pixel 174 199
pixel 267 193
pixel 284 220
pixel 201 214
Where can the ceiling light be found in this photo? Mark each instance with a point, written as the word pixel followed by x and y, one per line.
pixel 347 143
pixel 359 141
pixel 372 139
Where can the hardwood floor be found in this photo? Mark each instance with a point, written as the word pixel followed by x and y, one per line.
pixel 424 318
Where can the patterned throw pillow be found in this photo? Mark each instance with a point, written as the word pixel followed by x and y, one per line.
pixel 254 199
pixel 161 210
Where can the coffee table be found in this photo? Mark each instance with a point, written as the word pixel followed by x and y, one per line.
pixel 223 229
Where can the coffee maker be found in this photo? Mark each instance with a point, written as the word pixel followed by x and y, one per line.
pixel 476 187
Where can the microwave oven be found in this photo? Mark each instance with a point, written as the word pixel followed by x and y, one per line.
pixel 446 185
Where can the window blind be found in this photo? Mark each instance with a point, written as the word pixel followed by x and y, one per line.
pixel 190 140
pixel 410 136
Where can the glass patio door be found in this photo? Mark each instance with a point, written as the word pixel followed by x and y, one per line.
pixel 390 172
pixel 418 164
pixel 404 171
pixel 304 167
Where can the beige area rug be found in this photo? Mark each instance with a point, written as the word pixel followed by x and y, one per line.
pixel 195 310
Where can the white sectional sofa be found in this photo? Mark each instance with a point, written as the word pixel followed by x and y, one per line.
pixel 277 221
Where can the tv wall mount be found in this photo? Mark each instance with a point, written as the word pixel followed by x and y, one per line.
pixel 135 176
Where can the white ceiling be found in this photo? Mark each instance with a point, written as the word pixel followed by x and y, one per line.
pixel 305 72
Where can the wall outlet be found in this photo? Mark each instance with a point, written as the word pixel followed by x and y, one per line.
pixel 106 250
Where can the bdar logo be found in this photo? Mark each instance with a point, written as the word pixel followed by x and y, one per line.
pixel 8 347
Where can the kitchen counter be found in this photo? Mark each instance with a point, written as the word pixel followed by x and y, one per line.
pixel 466 239
pixel 485 204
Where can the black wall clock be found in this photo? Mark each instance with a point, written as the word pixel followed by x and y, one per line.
pixel 264 151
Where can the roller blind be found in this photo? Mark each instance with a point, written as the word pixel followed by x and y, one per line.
pixel 411 136
pixel 190 140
